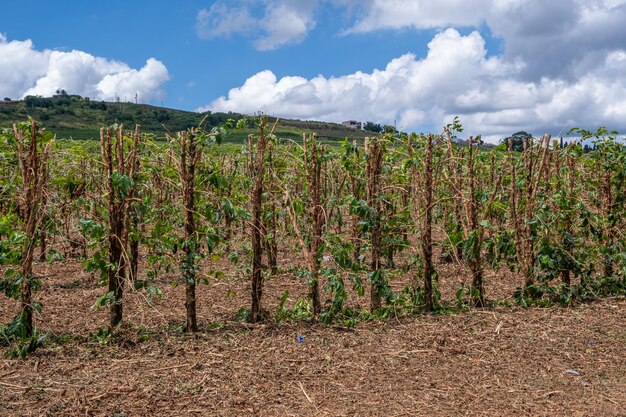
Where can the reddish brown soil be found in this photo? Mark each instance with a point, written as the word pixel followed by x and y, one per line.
pixel 501 361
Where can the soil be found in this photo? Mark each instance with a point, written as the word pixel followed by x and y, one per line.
pixel 496 361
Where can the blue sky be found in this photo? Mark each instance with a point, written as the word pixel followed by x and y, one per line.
pixel 501 65
pixel 200 69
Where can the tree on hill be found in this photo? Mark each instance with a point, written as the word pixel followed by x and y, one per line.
pixel 518 140
pixel 373 127
pixel 97 105
pixel 390 129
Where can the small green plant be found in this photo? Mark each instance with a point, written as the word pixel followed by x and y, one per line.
pixel 302 309
pixel 19 342
pixel 103 336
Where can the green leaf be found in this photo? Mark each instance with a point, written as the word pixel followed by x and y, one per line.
pixel 108 298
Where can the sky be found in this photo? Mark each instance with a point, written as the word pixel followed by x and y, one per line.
pixel 501 66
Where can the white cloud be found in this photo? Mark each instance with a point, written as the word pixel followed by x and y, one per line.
pixel 455 78
pixel 420 14
pixel 283 24
pixel 222 20
pixel 145 82
pixel 564 38
pixel 558 38
pixel 25 70
pixel 271 23
pixel 20 66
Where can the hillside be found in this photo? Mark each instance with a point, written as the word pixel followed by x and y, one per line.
pixel 71 116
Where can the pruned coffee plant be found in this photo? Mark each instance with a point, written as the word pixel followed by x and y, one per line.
pixel 395 225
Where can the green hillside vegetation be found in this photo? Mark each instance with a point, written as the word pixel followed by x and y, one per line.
pixel 76 117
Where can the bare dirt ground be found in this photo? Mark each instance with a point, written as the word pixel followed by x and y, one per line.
pixel 499 361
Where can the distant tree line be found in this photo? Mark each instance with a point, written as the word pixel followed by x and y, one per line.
pixel 520 138
pixel 61 99
pixel 379 128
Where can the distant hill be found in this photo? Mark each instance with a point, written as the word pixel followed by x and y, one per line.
pixel 76 117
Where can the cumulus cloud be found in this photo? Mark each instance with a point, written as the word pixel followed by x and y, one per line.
pixel 222 20
pixel 24 70
pixel 271 23
pixel 419 14
pixel 457 77
pixel 147 80
pixel 20 66
pixel 564 38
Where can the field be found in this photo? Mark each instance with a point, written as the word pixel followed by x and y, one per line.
pixel 496 362
pixel 500 361
pixel 402 275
